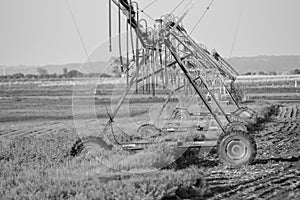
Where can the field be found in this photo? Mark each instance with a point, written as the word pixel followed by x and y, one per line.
pixel 39 127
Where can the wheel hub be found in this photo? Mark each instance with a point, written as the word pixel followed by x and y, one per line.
pixel 236 150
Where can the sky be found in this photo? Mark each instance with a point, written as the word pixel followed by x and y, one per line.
pixel 40 32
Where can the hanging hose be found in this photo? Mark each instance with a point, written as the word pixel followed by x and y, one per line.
pixel 131 35
pixel 120 40
pixel 137 44
pixel 109 24
pixel 127 53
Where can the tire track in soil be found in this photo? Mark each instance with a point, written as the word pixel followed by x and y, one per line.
pixel 266 187
pixel 276 171
pixel 9 131
pixel 50 128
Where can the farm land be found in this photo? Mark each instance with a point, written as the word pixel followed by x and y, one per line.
pixel 41 122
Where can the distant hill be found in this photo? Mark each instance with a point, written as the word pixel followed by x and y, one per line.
pixel 96 67
pixel 279 64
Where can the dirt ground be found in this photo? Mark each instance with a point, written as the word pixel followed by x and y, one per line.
pixel 275 174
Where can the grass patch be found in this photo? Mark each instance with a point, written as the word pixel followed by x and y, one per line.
pixel 42 168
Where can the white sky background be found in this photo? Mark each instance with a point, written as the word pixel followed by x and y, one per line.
pixel 39 32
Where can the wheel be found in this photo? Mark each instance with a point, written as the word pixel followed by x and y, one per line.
pixel 89 144
pixel 236 126
pixel 147 130
pixel 92 143
pixel 236 149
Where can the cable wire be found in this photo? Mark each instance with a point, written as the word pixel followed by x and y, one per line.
pixel 236 31
pixel 79 34
pixel 150 4
pixel 86 52
pixel 177 6
pixel 204 13
pixel 185 7
pixel 143 11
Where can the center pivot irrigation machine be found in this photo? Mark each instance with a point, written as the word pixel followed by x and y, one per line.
pixel 167 47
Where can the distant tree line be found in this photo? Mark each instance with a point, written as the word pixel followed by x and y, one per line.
pixel 43 74
pixel 260 73
pixel 293 72
pixel 116 70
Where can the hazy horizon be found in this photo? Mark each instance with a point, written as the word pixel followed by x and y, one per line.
pixel 278 64
pixel 84 61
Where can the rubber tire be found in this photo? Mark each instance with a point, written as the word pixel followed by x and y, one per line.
pixel 89 144
pixel 246 139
